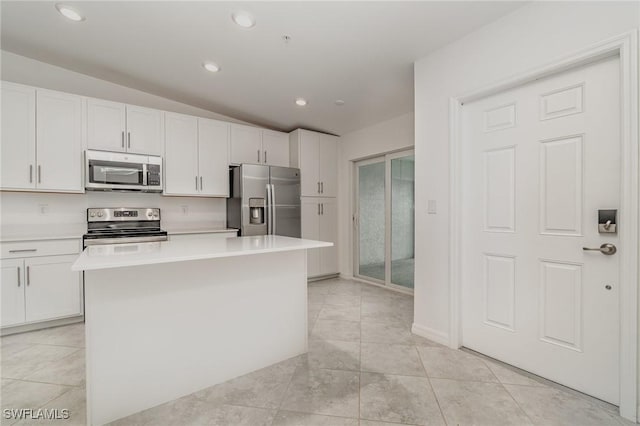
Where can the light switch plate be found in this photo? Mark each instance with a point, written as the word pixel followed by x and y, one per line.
pixel 431 207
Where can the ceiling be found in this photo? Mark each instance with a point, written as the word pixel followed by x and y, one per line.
pixel 359 52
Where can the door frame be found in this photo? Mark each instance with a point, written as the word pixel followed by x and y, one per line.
pixel 624 46
pixel 355 211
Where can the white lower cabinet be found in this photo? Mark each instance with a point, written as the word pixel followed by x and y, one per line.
pixel 320 222
pixel 39 288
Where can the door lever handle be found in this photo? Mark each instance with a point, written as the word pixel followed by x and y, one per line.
pixel 606 249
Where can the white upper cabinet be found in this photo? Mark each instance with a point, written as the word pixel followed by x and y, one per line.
pixel 106 125
pixel 181 154
pixel 42 139
pixel 196 156
pixel 275 147
pixel 59 141
pixel 258 146
pixel 144 130
pixel 213 163
pixel 18 136
pixel 316 155
pixel 246 144
pixel 112 126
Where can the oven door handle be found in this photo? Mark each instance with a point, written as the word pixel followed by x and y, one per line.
pixel 123 240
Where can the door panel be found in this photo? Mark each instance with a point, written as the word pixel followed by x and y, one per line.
pixel 402 230
pixel 311 231
pixel 18 136
pixel 181 155
pixel 246 145
pixel 538 162
pixel 106 125
pixel 53 290
pixel 213 147
pixel 144 130
pixel 328 173
pixel 254 181
pixel 275 147
pixel 309 152
pixel 329 233
pixel 286 194
pixel 371 220
pixel 12 292
pixel 59 141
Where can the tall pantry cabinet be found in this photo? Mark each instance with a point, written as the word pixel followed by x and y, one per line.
pixel 316 155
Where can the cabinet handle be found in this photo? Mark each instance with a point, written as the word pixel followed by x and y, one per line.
pixel 22 250
pixel 28 276
pixel 196 183
pixel 128 139
pixel 258 156
pixel 30 173
pixel 322 209
pixel 200 183
pixel 18 276
pixel 39 174
pixel 265 156
pixel 123 138
pixel 318 209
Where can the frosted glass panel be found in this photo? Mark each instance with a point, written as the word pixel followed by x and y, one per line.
pixel 371 219
pixel 402 220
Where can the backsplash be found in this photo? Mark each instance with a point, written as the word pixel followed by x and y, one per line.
pixel 24 208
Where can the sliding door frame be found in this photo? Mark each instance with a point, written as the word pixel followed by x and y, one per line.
pixel 385 158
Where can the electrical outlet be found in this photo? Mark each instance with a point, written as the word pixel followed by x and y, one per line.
pixel 43 209
pixel 185 210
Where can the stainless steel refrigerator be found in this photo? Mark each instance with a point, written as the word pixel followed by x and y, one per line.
pixel 264 200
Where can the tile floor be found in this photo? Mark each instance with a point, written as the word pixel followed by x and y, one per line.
pixel 364 368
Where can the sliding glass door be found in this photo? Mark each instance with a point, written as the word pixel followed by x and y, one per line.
pixel 384 219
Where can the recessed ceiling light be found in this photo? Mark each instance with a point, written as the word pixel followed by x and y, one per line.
pixel 244 19
pixel 210 66
pixel 301 102
pixel 339 102
pixel 69 12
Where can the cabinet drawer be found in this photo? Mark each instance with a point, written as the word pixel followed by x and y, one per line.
pixel 18 249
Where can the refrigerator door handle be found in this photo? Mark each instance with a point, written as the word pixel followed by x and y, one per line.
pixel 268 209
pixel 273 209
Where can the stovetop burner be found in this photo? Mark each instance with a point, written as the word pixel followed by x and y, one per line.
pixel 123 225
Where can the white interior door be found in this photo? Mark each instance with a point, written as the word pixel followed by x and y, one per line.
pixel 539 161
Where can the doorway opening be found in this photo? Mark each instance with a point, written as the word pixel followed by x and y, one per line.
pixel 383 218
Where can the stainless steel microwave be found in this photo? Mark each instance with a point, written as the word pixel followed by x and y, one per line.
pixel 118 171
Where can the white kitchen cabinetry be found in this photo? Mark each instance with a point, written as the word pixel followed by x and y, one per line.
pixel 320 222
pixel 202 236
pixel 112 126
pixel 316 155
pixel 275 148
pixel 253 145
pixel 196 156
pixel 38 288
pixel 213 157
pixel 42 139
pixel 18 136
pixel 59 141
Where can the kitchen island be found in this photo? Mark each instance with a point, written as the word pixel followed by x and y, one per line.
pixel 165 319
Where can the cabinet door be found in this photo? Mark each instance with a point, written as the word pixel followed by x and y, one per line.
pixel 59 141
pixel 144 130
pixel 12 292
pixel 246 144
pixel 52 289
pixel 328 232
pixel 213 163
pixel 328 165
pixel 105 125
pixel 309 176
pixel 311 231
pixel 275 147
pixel 18 136
pixel 180 154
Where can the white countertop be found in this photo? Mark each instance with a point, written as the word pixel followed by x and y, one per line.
pixel 32 232
pixel 136 254
pixel 196 228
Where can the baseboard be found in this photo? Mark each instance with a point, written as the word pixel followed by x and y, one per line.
pixel 431 334
pixel 322 277
pixel 23 328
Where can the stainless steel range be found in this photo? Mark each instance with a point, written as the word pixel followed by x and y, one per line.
pixel 122 225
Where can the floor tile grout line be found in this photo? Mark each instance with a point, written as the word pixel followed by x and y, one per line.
pixel 517 403
pixel 435 396
pixel 43 383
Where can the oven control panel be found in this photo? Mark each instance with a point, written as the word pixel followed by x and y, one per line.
pixel 122 214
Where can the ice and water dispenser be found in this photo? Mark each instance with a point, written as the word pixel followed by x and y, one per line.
pixel 256 211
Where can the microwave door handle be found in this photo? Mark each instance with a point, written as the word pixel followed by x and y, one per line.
pixel 118 170
pixel 145 175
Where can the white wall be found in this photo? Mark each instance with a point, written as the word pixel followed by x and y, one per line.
pixel 390 135
pixel 532 36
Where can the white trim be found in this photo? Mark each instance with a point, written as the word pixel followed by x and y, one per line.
pixel 626 46
pixel 430 333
